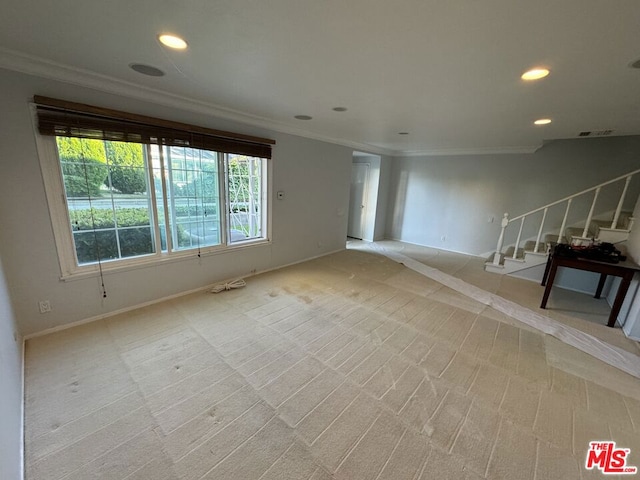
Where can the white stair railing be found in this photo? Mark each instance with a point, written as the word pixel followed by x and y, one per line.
pixel 564 220
pixel 616 217
pixel 506 220
pixel 587 224
pixel 544 216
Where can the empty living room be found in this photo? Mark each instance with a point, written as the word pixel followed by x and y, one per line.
pixel 319 240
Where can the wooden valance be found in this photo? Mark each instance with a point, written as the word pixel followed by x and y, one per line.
pixel 70 119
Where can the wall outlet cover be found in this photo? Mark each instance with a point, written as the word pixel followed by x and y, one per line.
pixel 45 306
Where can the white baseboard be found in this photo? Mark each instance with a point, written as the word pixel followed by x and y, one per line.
pixel 436 248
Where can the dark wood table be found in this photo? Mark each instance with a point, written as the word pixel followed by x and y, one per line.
pixel 625 269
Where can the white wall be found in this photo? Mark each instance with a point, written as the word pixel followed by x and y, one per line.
pixel 310 221
pixel 10 389
pixel 455 197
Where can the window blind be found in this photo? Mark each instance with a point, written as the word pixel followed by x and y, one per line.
pixel 70 119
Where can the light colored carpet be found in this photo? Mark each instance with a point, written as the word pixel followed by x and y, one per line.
pixel 346 367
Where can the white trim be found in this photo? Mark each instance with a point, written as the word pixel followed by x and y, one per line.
pixel 504 150
pixel 431 246
pixel 33 65
pixel 95 318
pixel 54 192
pixel 123 265
pixel 44 68
pixel 63 236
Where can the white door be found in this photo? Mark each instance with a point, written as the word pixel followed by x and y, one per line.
pixel 359 177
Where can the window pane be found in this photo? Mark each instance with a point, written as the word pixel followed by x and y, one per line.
pixel 193 198
pixel 106 191
pixel 245 184
pixel 135 241
pixel 128 180
pixel 83 165
pixel 91 246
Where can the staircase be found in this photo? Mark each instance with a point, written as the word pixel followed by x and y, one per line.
pixel 556 223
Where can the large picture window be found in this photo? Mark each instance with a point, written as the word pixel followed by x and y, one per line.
pixel 134 191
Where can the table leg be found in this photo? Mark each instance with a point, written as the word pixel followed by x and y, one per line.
pixel 550 279
pixel 617 304
pixel 603 278
pixel 546 268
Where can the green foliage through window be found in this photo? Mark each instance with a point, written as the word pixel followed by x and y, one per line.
pixel 113 215
pixel 83 166
pixel 127 168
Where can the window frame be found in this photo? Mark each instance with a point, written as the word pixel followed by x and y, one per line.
pixel 263 201
pixel 63 234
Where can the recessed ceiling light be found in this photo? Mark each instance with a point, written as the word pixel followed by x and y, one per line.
pixel 172 41
pixel 403 133
pixel 339 109
pixel 543 121
pixel 146 70
pixel 303 117
pixel 535 74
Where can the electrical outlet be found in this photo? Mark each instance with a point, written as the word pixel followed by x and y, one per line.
pixel 45 306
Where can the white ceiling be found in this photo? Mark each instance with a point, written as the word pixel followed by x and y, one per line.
pixel 446 71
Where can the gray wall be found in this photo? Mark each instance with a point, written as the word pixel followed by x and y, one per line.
pixel 383 198
pixel 311 220
pixel 456 197
pixel 10 389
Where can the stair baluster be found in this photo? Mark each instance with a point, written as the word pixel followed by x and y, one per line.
pixel 614 224
pixel 544 216
pixel 498 256
pixel 585 232
pixel 564 221
pixel 515 250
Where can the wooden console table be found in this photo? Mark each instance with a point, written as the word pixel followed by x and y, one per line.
pixel 625 269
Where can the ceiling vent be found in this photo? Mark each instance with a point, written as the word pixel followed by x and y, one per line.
pixel 596 133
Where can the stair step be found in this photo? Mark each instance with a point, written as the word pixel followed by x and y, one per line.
pixel 530 246
pixel 623 221
pixel 577 232
pixel 509 253
pixel 552 238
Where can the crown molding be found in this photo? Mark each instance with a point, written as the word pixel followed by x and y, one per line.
pixel 40 67
pixel 470 151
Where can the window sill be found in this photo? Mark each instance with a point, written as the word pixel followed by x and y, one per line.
pixel 109 268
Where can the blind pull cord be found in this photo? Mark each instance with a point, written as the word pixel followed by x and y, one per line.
pixel 93 219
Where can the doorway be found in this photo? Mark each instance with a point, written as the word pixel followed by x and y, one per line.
pixel 357 200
